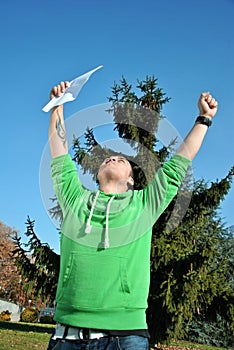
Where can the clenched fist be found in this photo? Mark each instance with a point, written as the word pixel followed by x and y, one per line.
pixel 207 105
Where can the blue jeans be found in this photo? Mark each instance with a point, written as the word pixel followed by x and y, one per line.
pixel 131 342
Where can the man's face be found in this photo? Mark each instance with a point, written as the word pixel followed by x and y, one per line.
pixel 115 168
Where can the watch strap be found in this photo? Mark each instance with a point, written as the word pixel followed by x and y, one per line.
pixel 204 120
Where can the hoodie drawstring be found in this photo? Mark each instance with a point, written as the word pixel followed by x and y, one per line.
pixel 88 225
pixel 106 241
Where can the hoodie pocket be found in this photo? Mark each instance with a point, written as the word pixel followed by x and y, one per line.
pixel 95 282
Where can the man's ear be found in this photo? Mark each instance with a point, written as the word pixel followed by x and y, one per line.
pixel 130 181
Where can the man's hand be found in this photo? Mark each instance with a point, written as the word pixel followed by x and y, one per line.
pixel 207 105
pixel 59 89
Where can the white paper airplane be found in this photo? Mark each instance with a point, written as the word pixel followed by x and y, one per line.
pixel 71 91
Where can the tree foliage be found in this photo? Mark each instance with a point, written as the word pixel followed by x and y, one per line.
pixel 38 265
pixel 10 281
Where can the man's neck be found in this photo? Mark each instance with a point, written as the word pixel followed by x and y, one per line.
pixel 113 187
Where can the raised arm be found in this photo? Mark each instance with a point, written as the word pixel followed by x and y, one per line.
pixel 57 131
pixel 207 107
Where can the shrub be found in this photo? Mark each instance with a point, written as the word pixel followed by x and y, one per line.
pixel 217 333
pixel 30 314
pixel 5 316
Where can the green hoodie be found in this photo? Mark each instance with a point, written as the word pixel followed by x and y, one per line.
pixel 105 247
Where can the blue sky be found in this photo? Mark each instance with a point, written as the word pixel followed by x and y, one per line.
pixel 187 45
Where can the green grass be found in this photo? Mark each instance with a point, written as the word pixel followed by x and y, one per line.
pixel 195 346
pixel 24 336
pixel 27 336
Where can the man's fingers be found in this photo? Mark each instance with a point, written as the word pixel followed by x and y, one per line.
pixel 59 89
pixel 213 103
pixel 62 86
pixel 206 96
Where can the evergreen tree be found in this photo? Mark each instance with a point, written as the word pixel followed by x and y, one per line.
pixel 37 264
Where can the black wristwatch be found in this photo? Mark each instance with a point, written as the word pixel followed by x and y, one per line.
pixel 204 120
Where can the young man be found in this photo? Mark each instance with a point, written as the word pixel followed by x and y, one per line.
pixel 106 238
